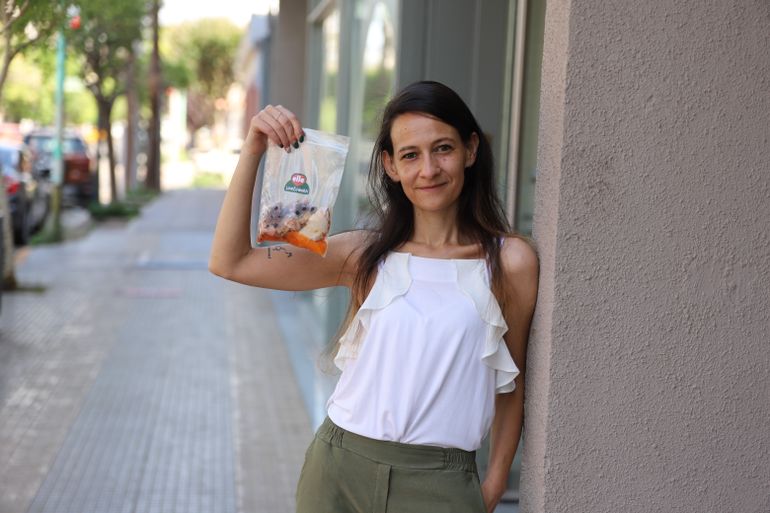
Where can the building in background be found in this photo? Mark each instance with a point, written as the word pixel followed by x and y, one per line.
pixel 252 66
pixel 337 63
pixel 647 369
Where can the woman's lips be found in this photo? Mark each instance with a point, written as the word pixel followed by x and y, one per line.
pixel 432 187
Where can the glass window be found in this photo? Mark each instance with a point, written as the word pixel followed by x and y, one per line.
pixel 327 116
pixel 375 85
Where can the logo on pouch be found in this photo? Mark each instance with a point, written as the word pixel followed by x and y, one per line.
pixel 298 184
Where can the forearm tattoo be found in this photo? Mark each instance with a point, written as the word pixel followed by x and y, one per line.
pixel 278 249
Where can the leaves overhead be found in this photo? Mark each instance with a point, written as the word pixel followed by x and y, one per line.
pixel 105 39
pixel 202 52
pixel 25 22
pixel 198 56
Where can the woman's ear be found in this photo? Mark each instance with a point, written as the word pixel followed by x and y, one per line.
pixel 470 150
pixel 387 163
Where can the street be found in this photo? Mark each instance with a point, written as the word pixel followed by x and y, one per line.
pixel 133 380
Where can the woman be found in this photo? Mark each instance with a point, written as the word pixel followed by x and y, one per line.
pixel 433 350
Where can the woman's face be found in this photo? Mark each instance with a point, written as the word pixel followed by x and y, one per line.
pixel 429 161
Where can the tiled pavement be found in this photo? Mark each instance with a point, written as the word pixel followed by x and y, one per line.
pixel 138 382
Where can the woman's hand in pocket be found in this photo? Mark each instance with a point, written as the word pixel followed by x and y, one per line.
pixel 492 493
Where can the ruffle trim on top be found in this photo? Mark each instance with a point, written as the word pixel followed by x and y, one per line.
pixel 495 353
pixel 393 280
pixel 396 280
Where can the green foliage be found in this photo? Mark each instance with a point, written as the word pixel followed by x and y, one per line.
pixel 198 56
pixel 29 22
pixel 25 24
pixel 207 180
pixel 140 196
pixel 120 109
pixel 24 96
pixel 79 107
pixel 29 91
pixel 105 41
pixel 378 88
pixel 130 207
pixel 116 209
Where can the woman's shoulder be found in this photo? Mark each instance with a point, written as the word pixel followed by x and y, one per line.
pixel 346 248
pixel 520 263
pixel 518 250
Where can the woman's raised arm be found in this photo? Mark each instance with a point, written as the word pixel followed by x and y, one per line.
pixel 281 267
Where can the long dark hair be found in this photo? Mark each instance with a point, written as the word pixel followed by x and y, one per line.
pixel 480 215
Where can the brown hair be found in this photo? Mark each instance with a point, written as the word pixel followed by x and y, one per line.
pixel 481 217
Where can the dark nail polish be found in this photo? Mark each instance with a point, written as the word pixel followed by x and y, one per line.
pixel 280 144
pixel 295 144
pixel 302 138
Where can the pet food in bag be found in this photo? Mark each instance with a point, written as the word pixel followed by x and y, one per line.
pixel 299 190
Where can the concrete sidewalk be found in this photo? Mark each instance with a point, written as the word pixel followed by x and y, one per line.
pixel 138 382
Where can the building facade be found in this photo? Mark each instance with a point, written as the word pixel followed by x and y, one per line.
pixel 648 375
pixel 337 63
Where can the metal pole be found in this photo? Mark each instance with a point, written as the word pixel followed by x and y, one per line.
pixel 57 170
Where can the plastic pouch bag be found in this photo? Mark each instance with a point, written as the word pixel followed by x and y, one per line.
pixel 299 190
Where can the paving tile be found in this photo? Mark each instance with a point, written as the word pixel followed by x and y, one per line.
pixel 138 382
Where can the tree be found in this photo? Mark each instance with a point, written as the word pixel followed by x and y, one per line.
pixel 153 155
pixel 104 42
pixel 24 23
pixel 199 57
pixel 30 88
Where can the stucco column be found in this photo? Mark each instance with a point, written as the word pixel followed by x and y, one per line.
pixel 287 60
pixel 648 372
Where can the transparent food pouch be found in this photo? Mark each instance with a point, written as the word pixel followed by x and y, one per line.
pixel 299 190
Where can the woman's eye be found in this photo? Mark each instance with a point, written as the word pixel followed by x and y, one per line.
pixel 444 148
pixel 409 156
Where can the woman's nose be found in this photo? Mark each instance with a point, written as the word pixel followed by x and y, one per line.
pixel 429 167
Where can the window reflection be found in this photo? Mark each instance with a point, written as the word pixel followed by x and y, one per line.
pixel 327 116
pixel 378 80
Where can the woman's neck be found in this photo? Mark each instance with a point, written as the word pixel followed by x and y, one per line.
pixel 435 230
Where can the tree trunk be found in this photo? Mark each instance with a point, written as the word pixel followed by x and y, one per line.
pixel 6 227
pixel 111 158
pixel 100 123
pixel 104 106
pixel 133 110
pixel 8 55
pixel 153 157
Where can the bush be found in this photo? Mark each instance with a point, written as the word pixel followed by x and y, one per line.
pixel 120 209
pixel 208 181
pixel 125 209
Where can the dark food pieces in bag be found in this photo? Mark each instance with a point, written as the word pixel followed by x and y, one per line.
pixel 299 191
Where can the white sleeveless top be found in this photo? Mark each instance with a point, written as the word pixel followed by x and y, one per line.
pixel 424 355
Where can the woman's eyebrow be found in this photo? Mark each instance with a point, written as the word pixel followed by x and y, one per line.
pixel 437 141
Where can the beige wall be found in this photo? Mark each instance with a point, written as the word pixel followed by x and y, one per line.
pixel 287 59
pixel 648 383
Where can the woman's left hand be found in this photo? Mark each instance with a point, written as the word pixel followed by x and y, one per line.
pixel 492 493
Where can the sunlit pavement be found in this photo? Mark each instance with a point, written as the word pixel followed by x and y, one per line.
pixel 136 381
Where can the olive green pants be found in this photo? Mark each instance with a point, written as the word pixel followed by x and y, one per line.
pixel 349 473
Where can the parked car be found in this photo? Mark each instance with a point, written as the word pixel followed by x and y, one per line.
pixel 28 190
pixel 79 174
